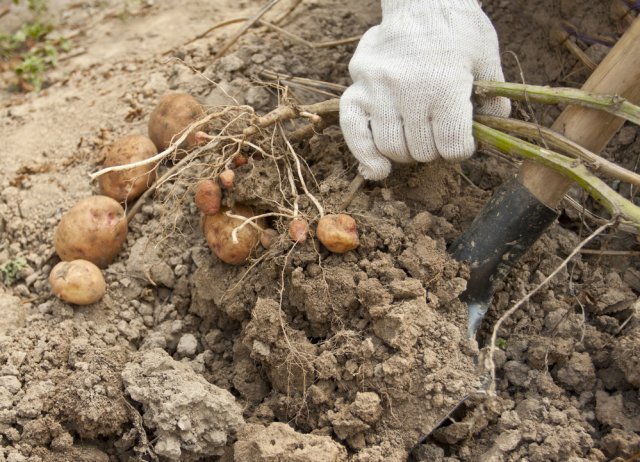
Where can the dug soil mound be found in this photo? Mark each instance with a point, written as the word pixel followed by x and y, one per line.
pixel 298 354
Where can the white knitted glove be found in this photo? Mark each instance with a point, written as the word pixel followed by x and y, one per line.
pixel 413 76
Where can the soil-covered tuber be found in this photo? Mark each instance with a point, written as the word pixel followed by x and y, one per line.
pixel 94 229
pixel 174 113
pixel 218 231
pixel 298 230
pixel 227 179
pixel 208 197
pixel 78 281
pixel 338 233
pixel 129 184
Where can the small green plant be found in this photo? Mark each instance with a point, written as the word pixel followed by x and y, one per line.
pixel 11 269
pixel 30 50
pixel 501 343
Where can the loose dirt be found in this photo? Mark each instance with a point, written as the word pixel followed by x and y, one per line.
pixel 304 355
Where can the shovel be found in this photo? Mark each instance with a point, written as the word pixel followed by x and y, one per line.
pixel 523 208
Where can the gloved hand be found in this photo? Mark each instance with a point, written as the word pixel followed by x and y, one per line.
pixel 413 76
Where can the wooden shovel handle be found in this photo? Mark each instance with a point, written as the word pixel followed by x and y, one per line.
pixel 619 73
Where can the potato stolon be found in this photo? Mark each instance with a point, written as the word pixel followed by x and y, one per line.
pixel 127 185
pixel 94 229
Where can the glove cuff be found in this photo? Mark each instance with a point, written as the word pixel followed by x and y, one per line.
pixel 393 7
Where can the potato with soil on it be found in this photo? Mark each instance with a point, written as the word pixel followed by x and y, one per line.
pixel 338 233
pixel 174 113
pixel 78 281
pixel 227 179
pixel 127 185
pixel 218 230
pixel 94 229
pixel 208 197
pixel 298 230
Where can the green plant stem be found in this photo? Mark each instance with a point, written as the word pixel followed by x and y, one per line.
pixel 564 145
pixel 612 104
pixel 618 206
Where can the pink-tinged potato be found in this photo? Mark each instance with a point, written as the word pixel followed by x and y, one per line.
pixel 94 229
pixel 239 160
pixel 227 179
pixel 208 197
pixel 174 113
pixel 338 233
pixel 268 237
pixel 298 230
pixel 78 281
pixel 217 231
pixel 127 185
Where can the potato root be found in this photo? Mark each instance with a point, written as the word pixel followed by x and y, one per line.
pixel 338 233
pixel 218 230
pixel 174 113
pixel 208 197
pixel 78 281
pixel 94 229
pixel 129 184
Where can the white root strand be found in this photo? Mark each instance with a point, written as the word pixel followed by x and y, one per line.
pixel 250 221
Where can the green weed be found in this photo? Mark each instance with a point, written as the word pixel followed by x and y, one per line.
pixel 11 269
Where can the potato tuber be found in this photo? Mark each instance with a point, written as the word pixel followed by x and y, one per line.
pixel 129 184
pixel 94 229
pixel 218 230
pixel 268 237
pixel 338 233
pixel 298 230
pixel 227 179
pixel 208 197
pixel 174 113
pixel 78 281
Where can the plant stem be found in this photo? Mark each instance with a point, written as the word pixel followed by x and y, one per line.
pixel 564 145
pixel 612 104
pixel 618 206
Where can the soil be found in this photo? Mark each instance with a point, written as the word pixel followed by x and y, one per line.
pixel 299 355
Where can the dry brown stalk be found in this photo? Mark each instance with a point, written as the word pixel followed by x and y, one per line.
pixel 247 25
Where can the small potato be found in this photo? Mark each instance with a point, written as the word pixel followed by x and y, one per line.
pixel 217 231
pixel 208 197
pixel 174 113
pixel 298 230
pixel 227 179
pixel 129 184
pixel 78 281
pixel 268 237
pixel 338 233
pixel 94 229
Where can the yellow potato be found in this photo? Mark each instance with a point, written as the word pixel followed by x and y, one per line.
pixel 78 281
pixel 129 184
pixel 338 233
pixel 174 113
pixel 217 231
pixel 94 229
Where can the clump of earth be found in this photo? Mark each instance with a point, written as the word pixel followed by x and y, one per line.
pixel 302 355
